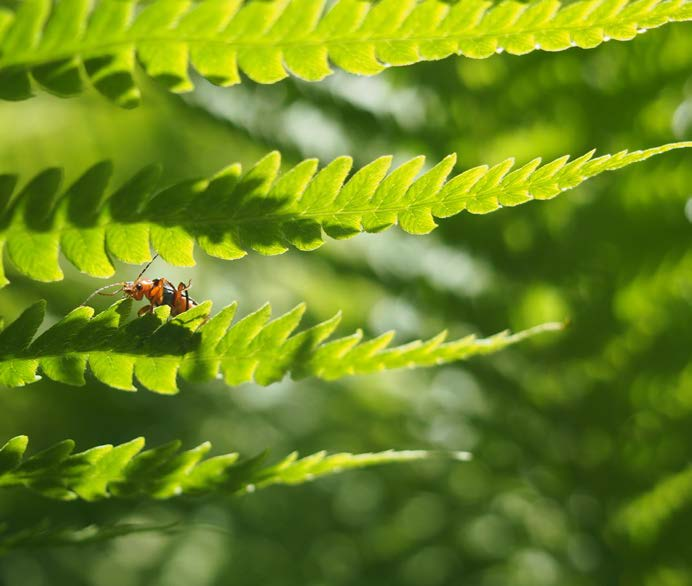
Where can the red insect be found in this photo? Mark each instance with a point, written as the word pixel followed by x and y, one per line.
pixel 157 291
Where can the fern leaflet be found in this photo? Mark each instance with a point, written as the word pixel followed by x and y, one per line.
pixel 125 471
pixel 60 44
pixel 234 212
pixel 201 349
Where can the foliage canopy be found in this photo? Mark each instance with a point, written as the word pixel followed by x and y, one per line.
pixel 581 463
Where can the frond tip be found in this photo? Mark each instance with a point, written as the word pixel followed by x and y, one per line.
pixel 233 212
pixel 62 44
pixel 125 471
pixel 156 350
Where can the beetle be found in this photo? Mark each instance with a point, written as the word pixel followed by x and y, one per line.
pixel 157 291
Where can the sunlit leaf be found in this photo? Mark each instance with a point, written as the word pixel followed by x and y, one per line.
pixel 268 39
pixel 264 211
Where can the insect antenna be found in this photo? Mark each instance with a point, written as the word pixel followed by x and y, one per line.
pixel 98 292
pixel 148 265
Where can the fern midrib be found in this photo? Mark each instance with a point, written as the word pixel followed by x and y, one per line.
pixel 247 219
pixel 14 477
pixel 473 343
pixel 39 57
pixel 559 180
pixel 232 353
pixel 19 477
pixel 317 215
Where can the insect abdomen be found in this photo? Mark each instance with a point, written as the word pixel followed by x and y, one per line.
pixel 168 297
pixel 182 303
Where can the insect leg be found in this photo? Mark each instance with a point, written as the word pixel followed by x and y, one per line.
pixel 144 310
pixel 183 288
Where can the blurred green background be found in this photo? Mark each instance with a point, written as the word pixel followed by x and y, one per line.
pixel 566 430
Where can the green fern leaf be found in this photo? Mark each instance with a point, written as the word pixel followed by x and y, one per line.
pixel 234 212
pixel 60 44
pixel 125 471
pixel 156 350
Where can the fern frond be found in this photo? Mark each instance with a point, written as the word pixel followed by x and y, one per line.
pixel 199 349
pixel 125 471
pixel 61 43
pixel 234 212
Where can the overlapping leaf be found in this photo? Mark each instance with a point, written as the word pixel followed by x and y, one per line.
pixel 261 210
pixel 125 471
pixel 199 348
pixel 62 43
